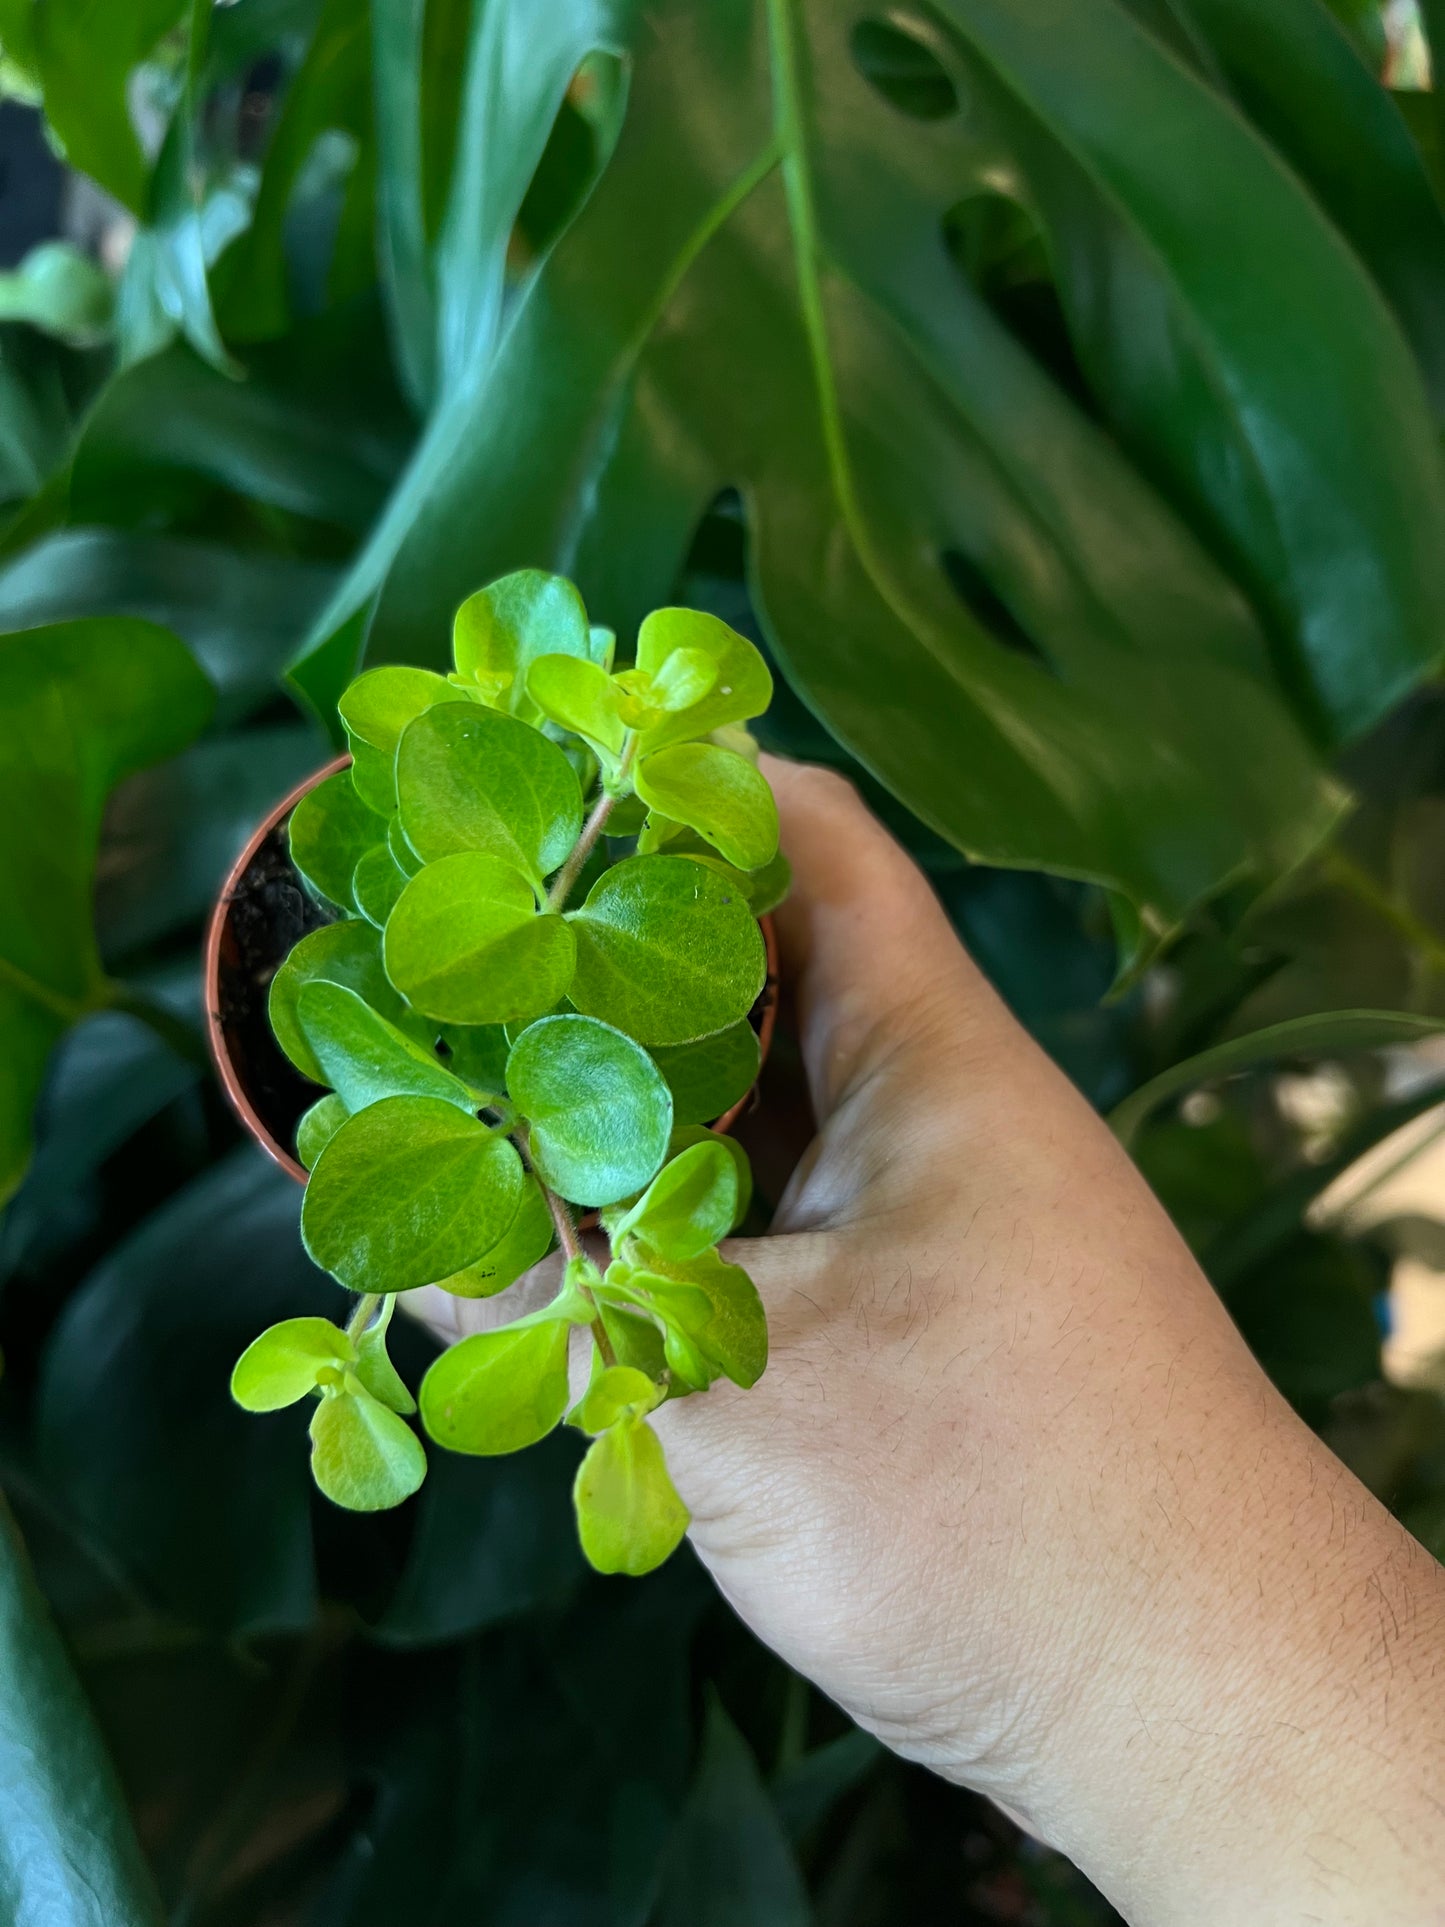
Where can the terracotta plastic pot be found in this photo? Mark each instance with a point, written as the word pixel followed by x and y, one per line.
pixel 260 914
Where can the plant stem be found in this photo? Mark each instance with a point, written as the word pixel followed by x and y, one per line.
pixel 572 1248
pixel 591 830
pixel 362 1315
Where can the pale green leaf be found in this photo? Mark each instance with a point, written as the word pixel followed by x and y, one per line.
pixel 686 1135
pixel 469 779
pixel 363 1456
pixel 598 1109
pixel 718 794
pixel 402 854
pixel 711 1307
pixel 499 1390
pixel 619 1391
pixel 466 943
pixel 667 950
pixel 690 1205
pixel 579 696
pixel 743 687
pixel 408 1191
pixel 284 1363
pixel 374 1367
pixel 629 1517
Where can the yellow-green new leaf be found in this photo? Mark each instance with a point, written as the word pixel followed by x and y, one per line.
pixel 363 1456
pixel 742 689
pixel 284 1363
pixel 690 1206
pixel 717 793
pixel 498 1391
pixel 621 1391
pixel 629 1517
pixel 582 697
pixel 466 944
pixel 502 629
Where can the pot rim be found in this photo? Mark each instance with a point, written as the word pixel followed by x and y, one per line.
pixel 216 1030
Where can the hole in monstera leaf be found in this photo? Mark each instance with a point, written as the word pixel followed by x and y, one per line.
pixel 899 66
pixel 577 150
pixel 988 608
pixel 997 244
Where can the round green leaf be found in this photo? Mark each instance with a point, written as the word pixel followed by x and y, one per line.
pixel 376 883
pixel 629 1517
pixel 719 794
pixel 690 1205
pixel 502 629
pixel 281 1366
pixel 363 1456
pixel 408 1191
pixel 365 1058
pixel 498 1391
pixel 579 695
pixel 598 1109
pixel 667 950
pixel 466 944
pixel 318 1126
pixel 339 953
pixel 708 1077
pixel 527 1240
pixel 469 779
pixel 377 707
pixel 743 687
pixel 329 831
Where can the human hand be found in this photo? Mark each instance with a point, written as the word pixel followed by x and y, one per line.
pixel 1012 1490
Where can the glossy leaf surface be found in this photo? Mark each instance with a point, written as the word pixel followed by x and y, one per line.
pixel 408 1191
pixel 598 1110
pixel 666 951
pixel 498 1391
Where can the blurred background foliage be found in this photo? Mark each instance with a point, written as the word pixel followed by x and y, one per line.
pixel 1055 392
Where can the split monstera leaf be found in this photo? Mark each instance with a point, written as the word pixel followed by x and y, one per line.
pixel 546 876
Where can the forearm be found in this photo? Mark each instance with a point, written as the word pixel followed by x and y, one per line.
pixel 1261 1738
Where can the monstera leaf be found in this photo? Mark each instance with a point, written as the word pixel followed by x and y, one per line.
pixel 85 704
pixel 780 283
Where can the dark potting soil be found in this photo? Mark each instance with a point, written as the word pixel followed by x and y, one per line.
pixel 270 913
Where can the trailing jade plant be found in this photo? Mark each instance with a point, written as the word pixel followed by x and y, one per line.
pixel 546 875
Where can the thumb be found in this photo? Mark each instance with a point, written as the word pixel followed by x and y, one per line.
pixel 879 975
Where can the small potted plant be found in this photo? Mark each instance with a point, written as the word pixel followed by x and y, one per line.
pixel 519 947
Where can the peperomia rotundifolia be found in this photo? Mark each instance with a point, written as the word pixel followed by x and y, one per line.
pixel 546 876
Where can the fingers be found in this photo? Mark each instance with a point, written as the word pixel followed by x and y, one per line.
pixel 875 965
